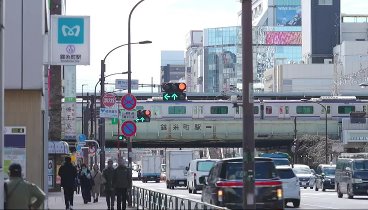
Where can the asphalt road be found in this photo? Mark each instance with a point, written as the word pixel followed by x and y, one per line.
pixel 310 199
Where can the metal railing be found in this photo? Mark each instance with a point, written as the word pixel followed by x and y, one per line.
pixel 149 199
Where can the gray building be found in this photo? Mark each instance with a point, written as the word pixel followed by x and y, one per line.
pixel 172 66
pixel 194 61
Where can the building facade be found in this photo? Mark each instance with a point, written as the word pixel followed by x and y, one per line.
pixel 172 66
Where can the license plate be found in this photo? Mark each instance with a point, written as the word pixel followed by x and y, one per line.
pixel 181 182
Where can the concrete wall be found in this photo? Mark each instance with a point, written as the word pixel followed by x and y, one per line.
pixel 354 31
pixel 23 108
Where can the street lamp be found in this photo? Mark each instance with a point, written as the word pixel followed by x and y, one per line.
pixel 102 83
pixel 83 109
pixel 326 136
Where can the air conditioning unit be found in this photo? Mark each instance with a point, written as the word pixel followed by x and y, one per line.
pixel 328 61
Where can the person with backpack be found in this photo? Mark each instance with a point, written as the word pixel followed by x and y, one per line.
pixel 19 193
pixel 68 175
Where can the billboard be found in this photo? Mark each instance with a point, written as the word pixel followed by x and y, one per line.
pixel 283 38
pixel 288 16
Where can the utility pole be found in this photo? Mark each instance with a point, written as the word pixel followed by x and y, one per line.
pixel 248 117
pixel 102 119
pixel 2 11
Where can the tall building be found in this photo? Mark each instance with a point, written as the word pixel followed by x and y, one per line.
pixel 172 66
pixel 321 29
pixel 194 61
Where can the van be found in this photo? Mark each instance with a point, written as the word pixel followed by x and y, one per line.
pixel 351 175
pixel 196 169
pixel 305 175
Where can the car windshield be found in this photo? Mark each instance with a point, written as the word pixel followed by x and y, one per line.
pixel 303 170
pixel 329 171
pixel 205 166
pixel 285 173
pixel 281 161
pixel 361 165
pixel 263 170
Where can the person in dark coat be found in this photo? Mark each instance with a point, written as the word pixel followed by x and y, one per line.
pixel 68 174
pixel 107 180
pixel 122 182
pixel 85 178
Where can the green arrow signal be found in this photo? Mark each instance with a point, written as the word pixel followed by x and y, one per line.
pixel 174 96
pixel 166 96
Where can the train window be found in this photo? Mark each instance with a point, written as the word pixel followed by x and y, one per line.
pixel 286 109
pixel 219 110
pixel 304 109
pixel 255 110
pixel 177 109
pixel 346 109
pixel 268 109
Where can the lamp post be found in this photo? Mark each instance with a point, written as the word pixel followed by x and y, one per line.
pixel 326 135
pixel 83 108
pixel 129 143
pixel 102 83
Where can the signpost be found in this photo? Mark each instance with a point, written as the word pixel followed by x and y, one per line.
pixel 128 128
pixel 122 84
pixel 128 101
pixel 109 99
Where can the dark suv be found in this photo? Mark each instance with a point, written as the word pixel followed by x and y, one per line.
pixel 224 186
pixel 325 177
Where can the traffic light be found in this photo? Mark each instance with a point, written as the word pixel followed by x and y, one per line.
pixel 174 91
pixel 121 137
pixel 143 116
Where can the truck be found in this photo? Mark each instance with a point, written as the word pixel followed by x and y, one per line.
pixel 176 163
pixel 150 168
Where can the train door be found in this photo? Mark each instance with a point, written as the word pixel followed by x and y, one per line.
pixel 198 111
pixel 284 112
pixel 238 112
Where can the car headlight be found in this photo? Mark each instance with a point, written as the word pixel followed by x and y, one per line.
pixel 357 181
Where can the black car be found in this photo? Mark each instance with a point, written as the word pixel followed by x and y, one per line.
pixel 224 185
pixel 325 177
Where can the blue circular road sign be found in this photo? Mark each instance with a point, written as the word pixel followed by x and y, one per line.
pixel 128 102
pixel 128 128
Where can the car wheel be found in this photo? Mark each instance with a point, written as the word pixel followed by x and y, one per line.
pixel 310 187
pixel 350 194
pixel 305 187
pixel 339 194
pixel 296 203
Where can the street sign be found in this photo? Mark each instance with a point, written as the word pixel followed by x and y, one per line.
pixel 122 84
pixel 128 101
pixel 128 128
pixel 128 115
pixel 109 112
pixel 109 99
pixel 82 137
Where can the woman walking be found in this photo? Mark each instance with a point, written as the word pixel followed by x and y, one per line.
pixel 85 178
pixel 97 180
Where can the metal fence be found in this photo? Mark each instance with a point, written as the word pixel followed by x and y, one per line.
pixel 149 199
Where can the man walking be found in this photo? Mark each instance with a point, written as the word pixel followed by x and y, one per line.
pixel 107 180
pixel 122 180
pixel 68 175
pixel 19 193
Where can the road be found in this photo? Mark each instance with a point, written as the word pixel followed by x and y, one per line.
pixel 310 198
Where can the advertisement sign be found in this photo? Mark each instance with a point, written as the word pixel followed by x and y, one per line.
pixel 15 148
pixel 70 40
pixel 69 112
pixel 288 16
pixel 283 38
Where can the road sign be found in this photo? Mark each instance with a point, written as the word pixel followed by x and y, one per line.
pixel 122 84
pixel 128 102
pixel 109 99
pixel 109 112
pixel 82 137
pixel 128 128
pixel 128 115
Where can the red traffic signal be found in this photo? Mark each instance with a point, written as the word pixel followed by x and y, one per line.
pixel 143 116
pixel 173 87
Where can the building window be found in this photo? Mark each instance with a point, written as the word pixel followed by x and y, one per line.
pixel 219 110
pixel 325 2
pixel 346 109
pixel 304 109
pixel 177 110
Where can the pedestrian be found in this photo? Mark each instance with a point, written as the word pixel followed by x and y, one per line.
pixel 68 175
pixel 77 181
pixel 122 182
pixel 107 180
pixel 85 178
pixel 97 180
pixel 19 193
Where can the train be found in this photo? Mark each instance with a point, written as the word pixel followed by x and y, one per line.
pixel 334 107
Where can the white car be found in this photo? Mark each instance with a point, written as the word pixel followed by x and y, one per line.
pixel 290 185
pixel 305 175
pixel 196 169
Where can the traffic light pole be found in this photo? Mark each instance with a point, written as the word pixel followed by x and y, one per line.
pixel 102 120
pixel 248 117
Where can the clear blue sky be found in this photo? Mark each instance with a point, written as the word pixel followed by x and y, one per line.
pixel 164 22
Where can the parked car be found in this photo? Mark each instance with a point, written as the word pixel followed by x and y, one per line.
pixel 224 185
pixel 351 174
pixel 196 169
pixel 325 177
pixel 305 175
pixel 290 185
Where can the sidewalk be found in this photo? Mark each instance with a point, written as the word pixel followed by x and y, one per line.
pixel 56 201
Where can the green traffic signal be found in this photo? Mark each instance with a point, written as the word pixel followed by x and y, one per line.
pixel 121 137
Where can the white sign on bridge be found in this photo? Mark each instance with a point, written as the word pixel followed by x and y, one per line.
pixel 122 84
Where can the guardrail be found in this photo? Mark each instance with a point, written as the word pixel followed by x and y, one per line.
pixel 149 199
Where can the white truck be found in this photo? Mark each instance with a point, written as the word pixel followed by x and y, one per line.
pixel 151 168
pixel 176 162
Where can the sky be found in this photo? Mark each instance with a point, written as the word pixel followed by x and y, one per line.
pixel 164 22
